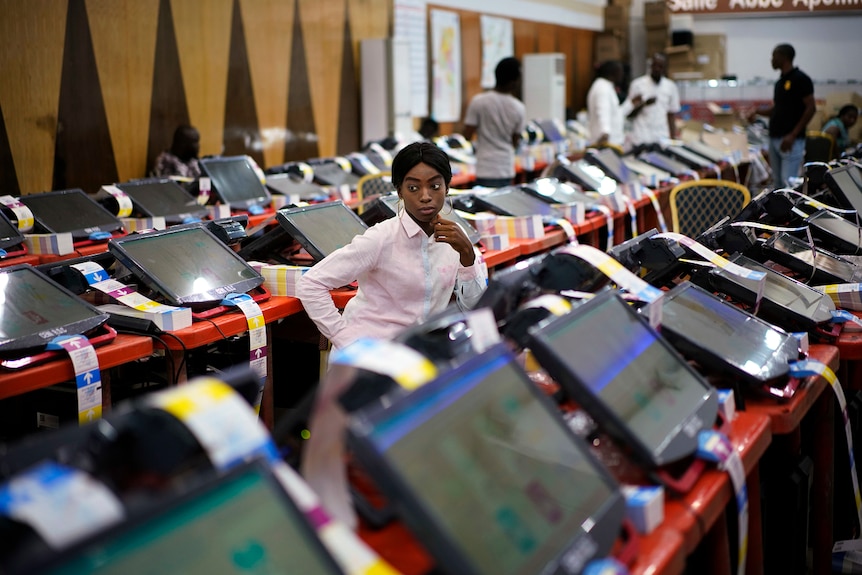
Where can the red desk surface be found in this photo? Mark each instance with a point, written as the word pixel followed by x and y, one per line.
pixel 693 514
pixel 31 259
pixel 660 552
pixel 849 345
pixel 532 246
pixel 123 349
pixel 88 250
pixel 494 258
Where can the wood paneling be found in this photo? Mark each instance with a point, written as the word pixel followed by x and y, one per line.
pixel 241 132
pixel 169 108
pixel 367 19
pixel 8 177
pixel 566 46
pixel 301 140
pixel 546 38
pixel 471 60
pixel 323 35
pixel 31 59
pixel 525 38
pixel 349 115
pixel 83 154
pixel 203 39
pixel 268 34
pixel 583 73
pixel 124 44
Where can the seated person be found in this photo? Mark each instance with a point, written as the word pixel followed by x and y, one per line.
pixel 182 159
pixel 838 126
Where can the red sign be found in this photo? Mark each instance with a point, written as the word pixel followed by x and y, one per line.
pixel 752 6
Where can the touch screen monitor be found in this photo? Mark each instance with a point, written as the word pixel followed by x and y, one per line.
pixel 70 211
pixel 664 162
pixel 823 267
pixel 843 236
pixel 36 309
pixel 10 235
pixel 235 182
pixel 241 523
pixel 513 201
pixel 554 191
pixel 635 385
pixel 487 474
pixel 644 169
pixel 612 164
pixel 332 174
pixel 163 198
pixel 845 182
pixel 785 302
pixel 289 185
pixel 391 205
pixel 689 158
pixel 723 337
pixel 322 228
pixel 714 155
pixel 186 266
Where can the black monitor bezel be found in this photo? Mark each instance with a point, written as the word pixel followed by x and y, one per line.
pixel 850 199
pixel 140 516
pixel 209 297
pixel 704 150
pixel 283 218
pixel 817 274
pixel 348 179
pixel 113 225
pixel 37 341
pixel 771 310
pixel 288 184
pixel 840 244
pixel 703 353
pixel 236 201
pixel 689 158
pixel 651 170
pixel 15 237
pixel 605 158
pixel 664 162
pixel 558 197
pixel 413 512
pixel 150 211
pixel 674 448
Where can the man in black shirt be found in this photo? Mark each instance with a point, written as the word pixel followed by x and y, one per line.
pixel 791 110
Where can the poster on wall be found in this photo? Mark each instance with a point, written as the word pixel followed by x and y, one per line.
pixel 446 66
pixel 411 24
pixel 498 42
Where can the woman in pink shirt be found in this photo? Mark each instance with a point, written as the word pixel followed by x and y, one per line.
pixel 407 267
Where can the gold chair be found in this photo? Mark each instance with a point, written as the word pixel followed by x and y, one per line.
pixel 372 185
pixel 698 204
pixel 819 146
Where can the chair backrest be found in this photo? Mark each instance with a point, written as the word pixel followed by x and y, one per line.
pixel 372 185
pixel 698 204
pixel 819 146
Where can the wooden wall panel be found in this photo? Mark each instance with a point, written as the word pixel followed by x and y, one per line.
pixel 367 19
pixel 241 131
pixel 546 38
pixel 124 43
pixel 203 39
pixel 169 108
pixel 83 152
pixel 301 139
pixel 525 38
pixel 323 35
pixel 584 72
pixel 268 35
pixel 471 60
pixel 566 46
pixel 349 114
pixel 31 58
pixel 8 175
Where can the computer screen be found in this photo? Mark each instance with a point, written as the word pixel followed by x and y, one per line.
pixel 714 155
pixel 235 182
pixel 842 236
pixel 242 523
pixel 322 228
pixel 844 182
pixel 612 164
pixel 331 174
pixel 633 383
pixel 694 161
pixel 10 235
pixel 785 301
pixel 70 211
pixel 513 201
pixel 554 191
pixel 165 198
pixel 35 309
pixel 797 255
pixel 487 472
pixel 186 266
pixel 290 185
pixel 664 162
pixel 718 334
pixel 644 169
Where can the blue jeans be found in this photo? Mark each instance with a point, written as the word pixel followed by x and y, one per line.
pixel 785 165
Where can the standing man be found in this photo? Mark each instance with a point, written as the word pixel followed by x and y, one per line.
pixel 653 119
pixel 497 117
pixel 791 110
pixel 603 106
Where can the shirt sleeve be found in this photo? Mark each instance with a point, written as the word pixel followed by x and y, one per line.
pixel 674 106
pixel 471 117
pixel 338 269
pixel 602 112
pixel 471 283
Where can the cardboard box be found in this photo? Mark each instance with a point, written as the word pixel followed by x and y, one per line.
pixel 616 18
pixel 710 53
pixel 608 46
pixel 680 60
pixel 656 15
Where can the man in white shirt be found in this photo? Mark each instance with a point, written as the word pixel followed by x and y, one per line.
pixel 606 114
pixel 497 118
pixel 653 118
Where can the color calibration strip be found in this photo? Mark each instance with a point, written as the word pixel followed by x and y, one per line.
pixel 88 377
